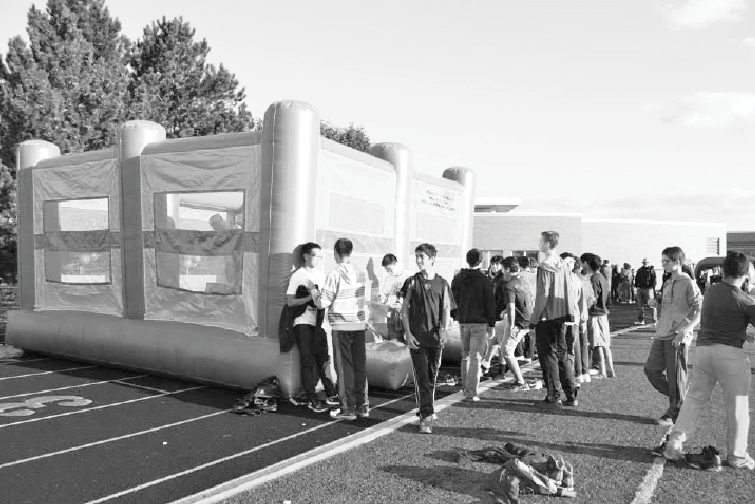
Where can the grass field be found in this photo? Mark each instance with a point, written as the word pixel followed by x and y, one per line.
pixel 607 438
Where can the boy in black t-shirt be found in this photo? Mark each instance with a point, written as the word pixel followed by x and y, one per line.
pixel 426 313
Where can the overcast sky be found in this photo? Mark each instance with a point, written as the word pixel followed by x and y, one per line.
pixel 634 109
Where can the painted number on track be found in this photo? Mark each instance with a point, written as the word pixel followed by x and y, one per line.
pixel 27 407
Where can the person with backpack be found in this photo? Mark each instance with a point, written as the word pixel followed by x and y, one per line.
pixel 515 303
pixel 309 335
pixel 644 281
pixel 427 315
pixel 476 314
pixel 343 292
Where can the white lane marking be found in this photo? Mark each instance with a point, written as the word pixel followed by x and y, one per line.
pixel 87 384
pixel 145 387
pixel 644 493
pixel 109 440
pixel 46 372
pixel 234 456
pixel 27 407
pixel 87 410
pixel 22 361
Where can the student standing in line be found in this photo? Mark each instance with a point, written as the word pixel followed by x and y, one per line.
pixel 516 304
pixel 343 292
pixel 310 338
pixel 554 306
pixel 427 315
pixel 719 358
pixel 598 329
pixel 681 302
pixel 477 316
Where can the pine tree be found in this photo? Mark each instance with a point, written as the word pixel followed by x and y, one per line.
pixel 69 83
pixel 354 137
pixel 172 84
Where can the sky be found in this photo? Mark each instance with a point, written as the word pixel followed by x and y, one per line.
pixel 642 109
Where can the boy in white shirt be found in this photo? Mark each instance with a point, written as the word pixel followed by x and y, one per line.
pixel 310 337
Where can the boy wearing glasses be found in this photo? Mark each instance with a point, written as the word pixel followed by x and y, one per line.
pixel 681 302
pixel 310 338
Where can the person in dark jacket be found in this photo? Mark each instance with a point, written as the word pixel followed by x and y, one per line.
pixel 645 280
pixel 477 316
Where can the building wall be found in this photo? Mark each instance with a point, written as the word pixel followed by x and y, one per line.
pixel 741 242
pixel 506 232
pixel 619 240
pixel 629 240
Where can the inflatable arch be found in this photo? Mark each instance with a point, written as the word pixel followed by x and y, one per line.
pixel 173 256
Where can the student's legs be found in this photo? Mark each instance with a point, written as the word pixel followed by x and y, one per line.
pixel 549 333
pixel 359 359
pixel 425 363
pixel 342 342
pixel 733 372
pixel 305 340
pixel 610 372
pixel 509 345
pixel 642 299
pixel 584 347
pixel 322 358
pixel 676 374
pixel 656 364
pixel 700 390
pixel 565 354
pixel 464 336
pixel 478 337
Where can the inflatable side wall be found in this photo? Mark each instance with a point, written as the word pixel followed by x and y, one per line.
pixel 173 256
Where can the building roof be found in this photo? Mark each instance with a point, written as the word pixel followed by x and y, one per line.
pixel 496 205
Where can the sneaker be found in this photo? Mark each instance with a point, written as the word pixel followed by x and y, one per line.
pixel 333 401
pixel 535 384
pixel 425 426
pixel 338 414
pixel 571 402
pixel 318 406
pixel 472 399
pixel 593 372
pixel 665 420
pixel 672 450
pixel 520 387
pixel 568 481
pixel 298 400
pixel 548 404
pixel 599 376
pixel 707 460
pixel 746 463
pixel 639 323
pixel 363 411
pixel 586 378
pixel 659 450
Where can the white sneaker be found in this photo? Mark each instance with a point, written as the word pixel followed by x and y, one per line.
pixel 673 450
pixel 586 378
pixel 746 463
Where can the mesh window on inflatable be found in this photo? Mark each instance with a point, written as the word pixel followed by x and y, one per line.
pixel 199 241
pixel 77 235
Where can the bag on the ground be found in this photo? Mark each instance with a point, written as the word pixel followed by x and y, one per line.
pixel 264 398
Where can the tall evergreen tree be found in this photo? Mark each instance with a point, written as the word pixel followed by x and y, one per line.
pixel 172 84
pixel 69 83
pixel 354 137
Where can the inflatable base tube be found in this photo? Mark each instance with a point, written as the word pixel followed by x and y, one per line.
pixel 452 350
pixel 188 351
pixel 389 365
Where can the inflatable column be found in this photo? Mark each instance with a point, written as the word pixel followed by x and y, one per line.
pixel 135 136
pixel 466 178
pixel 29 153
pixel 400 157
pixel 290 153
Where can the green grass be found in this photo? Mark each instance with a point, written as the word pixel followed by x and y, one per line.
pixel 607 439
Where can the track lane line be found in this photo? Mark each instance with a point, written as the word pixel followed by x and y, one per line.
pixel 200 467
pixel 87 384
pixel 87 410
pixel 21 361
pixel 110 440
pixel 46 372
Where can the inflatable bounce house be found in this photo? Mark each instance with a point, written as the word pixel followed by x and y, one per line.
pixel 173 256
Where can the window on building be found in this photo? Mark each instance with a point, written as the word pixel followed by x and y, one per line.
pixel 77 241
pixel 712 246
pixel 199 241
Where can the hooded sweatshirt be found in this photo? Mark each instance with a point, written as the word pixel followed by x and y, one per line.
pixel 473 293
pixel 343 292
pixel 555 293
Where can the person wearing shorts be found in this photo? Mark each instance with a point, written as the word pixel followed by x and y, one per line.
pixel 598 329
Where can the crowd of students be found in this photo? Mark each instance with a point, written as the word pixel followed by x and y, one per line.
pixel 560 311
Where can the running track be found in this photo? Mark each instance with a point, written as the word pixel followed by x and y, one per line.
pixel 76 433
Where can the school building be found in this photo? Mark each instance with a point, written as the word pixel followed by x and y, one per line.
pixel 499 229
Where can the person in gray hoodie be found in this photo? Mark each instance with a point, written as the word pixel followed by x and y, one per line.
pixel 554 306
pixel 343 292
pixel 476 314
